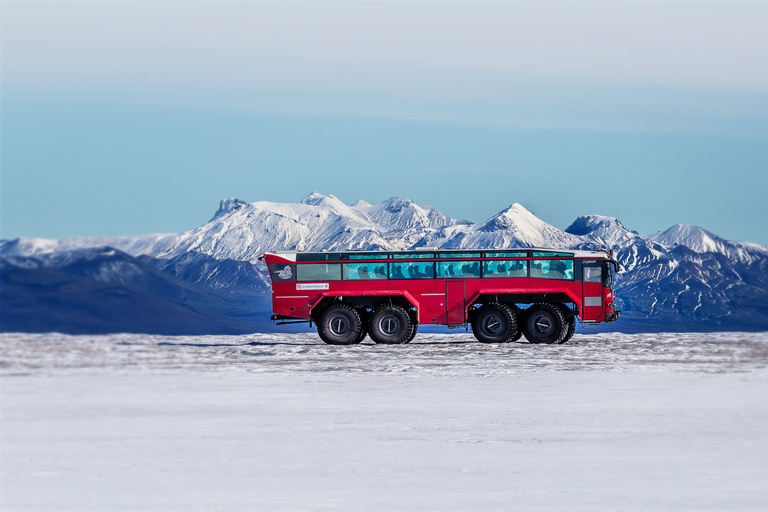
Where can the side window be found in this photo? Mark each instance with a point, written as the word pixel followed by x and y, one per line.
pixel 461 269
pixel 539 268
pixel 505 268
pixel 319 256
pixel 413 255
pixel 412 270
pixel 458 255
pixel 552 269
pixel 593 274
pixel 380 256
pixel 364 271
pixel 506 254
pixel 318 272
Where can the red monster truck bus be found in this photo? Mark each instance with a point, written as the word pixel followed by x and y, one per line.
pixel 502 294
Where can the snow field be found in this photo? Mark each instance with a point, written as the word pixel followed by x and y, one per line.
pixel 613 422
pixel 428 354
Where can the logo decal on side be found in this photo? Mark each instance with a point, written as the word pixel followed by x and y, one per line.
pixel 312 286
pixel 285 273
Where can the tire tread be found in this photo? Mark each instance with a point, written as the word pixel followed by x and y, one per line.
pixel 559 318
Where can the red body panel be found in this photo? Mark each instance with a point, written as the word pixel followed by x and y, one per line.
pixel 455 302
pixel 442 301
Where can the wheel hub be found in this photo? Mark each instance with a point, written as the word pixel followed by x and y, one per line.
pixel 339 325
pixel 389 325
pixel 493 324
pixel 543 325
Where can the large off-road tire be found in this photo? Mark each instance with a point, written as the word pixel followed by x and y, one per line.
pixel 389 325
pixel 364 323
pixel 361 336
pixel 519 316
pixel 494 323
pixel 571 321
pixel 340 325
pixel 544 323
pixel 414 330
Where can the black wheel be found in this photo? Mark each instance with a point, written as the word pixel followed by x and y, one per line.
pixel 571 321
pixel 494 323
pixel 389 325
pixel 414 330
pixel 544 323
pixel 519 331
pixel 364 325
pixel 340 325
pixel 361 336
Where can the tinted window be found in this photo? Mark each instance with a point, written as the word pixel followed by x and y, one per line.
pixel 552 269
pixel 377 256
pixel 549 254
pixel 458 255
pixel 413 255
pixel 608 277
pixel 592 274
pixel 505 268
pixel 412 270
pixel 506 254
pixel 319 256
pixel 464 269
pixel 363 271
pixel 318 272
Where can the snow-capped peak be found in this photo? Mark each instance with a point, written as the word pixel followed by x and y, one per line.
pixel 397 214
pixel 311 198
pixel 514 226
pixel 330 203
pixel 692 237
pixel 361 204
pixel 397 204
pixel 318 199
pixel 229 205
pixel 514 216
pixel 606 231
pixel 586 224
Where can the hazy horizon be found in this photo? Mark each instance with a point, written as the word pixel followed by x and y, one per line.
pixel 127 118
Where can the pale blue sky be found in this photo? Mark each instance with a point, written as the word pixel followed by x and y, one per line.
pixel 129 118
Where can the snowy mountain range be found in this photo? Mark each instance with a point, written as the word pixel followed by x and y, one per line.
pixel 681 278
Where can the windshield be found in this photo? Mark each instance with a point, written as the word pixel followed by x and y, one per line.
pixel 608 279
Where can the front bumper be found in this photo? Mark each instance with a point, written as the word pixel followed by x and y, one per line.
pixel 612 314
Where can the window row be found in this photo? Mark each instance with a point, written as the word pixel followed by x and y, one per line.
pixel 420 255
pixel 546 269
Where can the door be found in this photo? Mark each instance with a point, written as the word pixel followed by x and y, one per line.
pixel 454 303
pixel 592 293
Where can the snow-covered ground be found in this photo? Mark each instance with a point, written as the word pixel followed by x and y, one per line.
pixel 284 422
